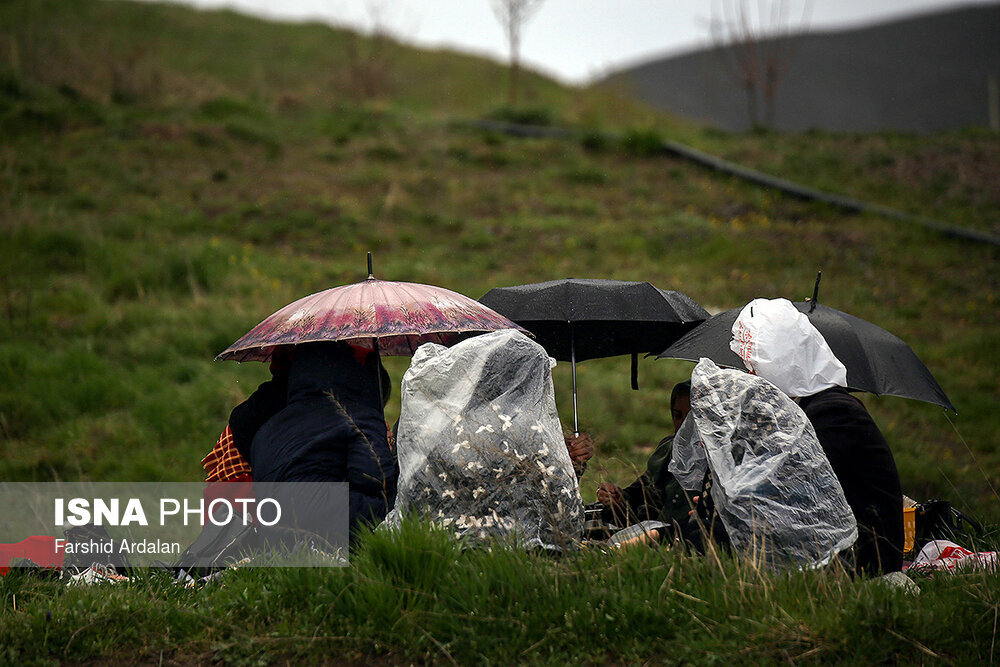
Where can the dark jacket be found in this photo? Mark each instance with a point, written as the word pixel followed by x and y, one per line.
pixel 654 495
pixel 863 462
pixel 332 429
pixel 247 417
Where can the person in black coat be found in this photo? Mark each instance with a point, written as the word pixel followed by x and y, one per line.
pixel 780 344
pixel 268 399
pixel 866 469
pixel 655 494
pixel 332 429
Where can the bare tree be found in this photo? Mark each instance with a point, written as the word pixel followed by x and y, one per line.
pixel 756 48
pixel 370 52
pixel 513 15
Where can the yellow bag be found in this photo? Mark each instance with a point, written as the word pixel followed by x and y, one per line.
pixel 909 528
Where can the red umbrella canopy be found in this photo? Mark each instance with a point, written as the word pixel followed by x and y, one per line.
pixel 402 316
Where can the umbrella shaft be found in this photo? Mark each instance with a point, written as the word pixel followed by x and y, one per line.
pixel 572 358
pixel 378 372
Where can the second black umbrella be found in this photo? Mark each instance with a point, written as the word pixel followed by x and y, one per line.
pixel 876 360
pixel 579 319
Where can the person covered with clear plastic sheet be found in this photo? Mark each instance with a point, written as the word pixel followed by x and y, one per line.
pixel 771 485
pixel 780 344
pixel 655 494
pixel 480 445
pixel 332 429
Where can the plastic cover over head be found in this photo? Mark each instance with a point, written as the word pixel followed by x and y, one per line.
pixel 773 486
pixel 480 444
pixel 781 345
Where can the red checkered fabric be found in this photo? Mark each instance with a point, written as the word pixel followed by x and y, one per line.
pixel 225 463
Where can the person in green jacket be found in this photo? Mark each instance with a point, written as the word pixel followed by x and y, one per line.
pixel 655 494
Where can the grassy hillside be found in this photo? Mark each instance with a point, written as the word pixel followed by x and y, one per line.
pixel 156 207
pixel 168 178
pixel 173 57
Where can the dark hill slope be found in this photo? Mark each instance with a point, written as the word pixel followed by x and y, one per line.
pixel 925 73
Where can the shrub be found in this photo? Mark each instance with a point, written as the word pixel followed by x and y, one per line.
pixel 642 143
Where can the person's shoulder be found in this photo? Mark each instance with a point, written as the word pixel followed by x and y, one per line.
pixel 838 411
pixel 834 398
pixel 660 457
pixel 663 449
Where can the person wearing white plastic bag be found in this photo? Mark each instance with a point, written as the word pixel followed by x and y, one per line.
pixel 480 446
pixel 772 486
pixel 780 344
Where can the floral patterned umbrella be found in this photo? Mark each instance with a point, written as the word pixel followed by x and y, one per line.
pixel 395 318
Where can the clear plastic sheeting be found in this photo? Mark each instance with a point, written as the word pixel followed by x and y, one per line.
pixel 480 445
pixel 688 463
pixel 773 487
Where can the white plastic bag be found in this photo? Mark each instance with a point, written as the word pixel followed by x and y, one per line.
pixel 781 345
pixel 948 556
pixel 480 446
pixel 773 487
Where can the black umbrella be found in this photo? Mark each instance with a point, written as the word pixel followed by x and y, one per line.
pixel 877 361
pixel 576 319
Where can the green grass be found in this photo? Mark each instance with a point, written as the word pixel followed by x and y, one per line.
pixel 418 596
pixel 168 178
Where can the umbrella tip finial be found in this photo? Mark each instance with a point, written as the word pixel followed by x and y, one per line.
pixel 815 297
pixel 371 275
